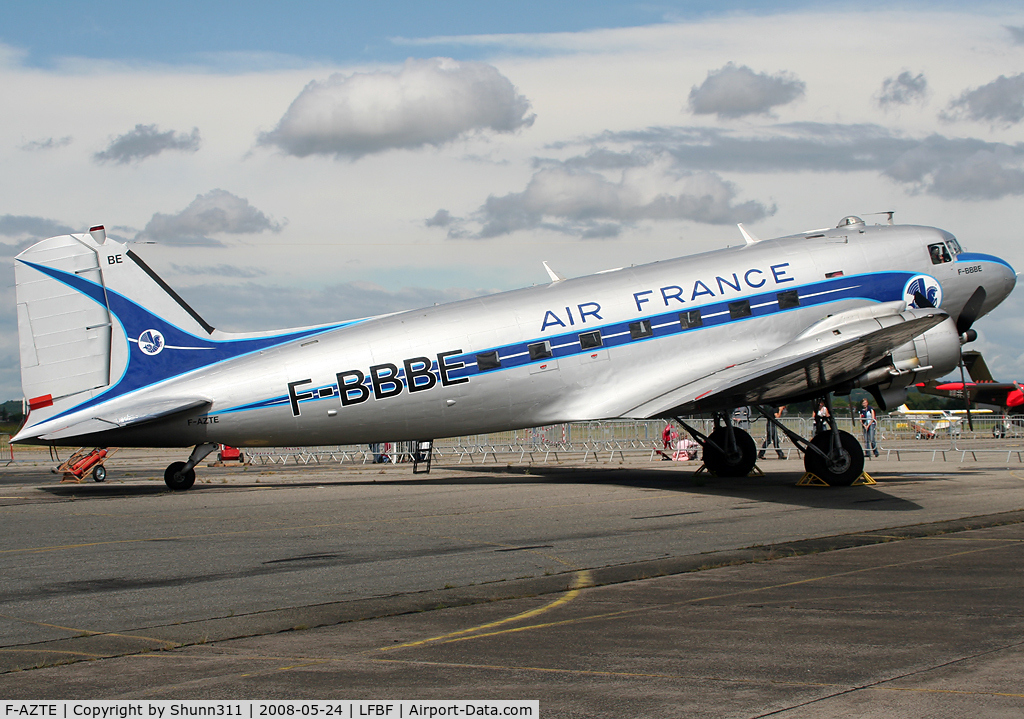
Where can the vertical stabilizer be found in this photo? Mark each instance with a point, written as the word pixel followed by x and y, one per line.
pixel 976 366
pixel 96 325
pixel 84 302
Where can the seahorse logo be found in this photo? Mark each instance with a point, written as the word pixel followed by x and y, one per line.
pixel 151 342
pixel 924 285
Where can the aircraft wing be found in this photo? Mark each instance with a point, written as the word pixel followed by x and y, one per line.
pixel 126 416
pixel 835 350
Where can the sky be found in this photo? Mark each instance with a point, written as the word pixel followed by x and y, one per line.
pixel 290 164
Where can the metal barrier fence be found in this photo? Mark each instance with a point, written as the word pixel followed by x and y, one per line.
pixel 996 437
pixel 594 441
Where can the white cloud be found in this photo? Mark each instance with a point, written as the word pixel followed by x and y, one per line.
pixel 903 89
pixel 222 270
pixel 587 204
pixel 732 92
pixel 146 141
pixel 953 168
pixel 218 211
pixel 1000 102
pixel 441 218
pixel 984 175
pixel 427 102
pixel 47 143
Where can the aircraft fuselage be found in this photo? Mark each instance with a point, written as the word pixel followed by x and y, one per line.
pixel 578 349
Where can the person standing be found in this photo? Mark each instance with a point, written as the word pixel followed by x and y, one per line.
pixel 868 422
pixel 668 436
pixel 771 435
pixel 821 417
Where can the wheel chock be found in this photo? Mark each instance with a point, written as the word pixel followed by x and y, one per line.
pixel 812 480
pixel 703 469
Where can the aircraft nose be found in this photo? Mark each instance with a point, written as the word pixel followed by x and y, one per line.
pixel 1005 281
pixel 995 279
pixel 998 279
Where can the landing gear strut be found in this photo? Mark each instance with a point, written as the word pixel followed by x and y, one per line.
pixel 832 455
pixel 180 476
pixel 838 466
pixel 728 450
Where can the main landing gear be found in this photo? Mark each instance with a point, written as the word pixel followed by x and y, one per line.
pixel 180 476
pixel 728 451
pixel 832 455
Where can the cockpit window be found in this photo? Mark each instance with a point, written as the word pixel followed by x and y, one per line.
pixel 953 246
pixel 939 253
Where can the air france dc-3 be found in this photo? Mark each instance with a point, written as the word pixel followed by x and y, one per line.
pixel 112 356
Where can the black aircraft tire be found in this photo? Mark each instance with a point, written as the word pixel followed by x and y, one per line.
pixel 720 464
pixel 179 484
pixel 850 467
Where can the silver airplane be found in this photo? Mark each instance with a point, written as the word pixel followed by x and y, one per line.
pixel 112 356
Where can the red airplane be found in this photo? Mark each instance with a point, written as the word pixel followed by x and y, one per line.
pixel 982 389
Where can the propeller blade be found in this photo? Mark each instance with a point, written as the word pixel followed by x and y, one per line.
pixel 967 394
pixel 922 302
pixel 971 310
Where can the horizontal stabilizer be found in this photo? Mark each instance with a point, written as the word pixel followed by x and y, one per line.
pixel 128 416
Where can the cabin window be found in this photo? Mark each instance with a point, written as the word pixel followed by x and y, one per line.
pixel 954 246
pixel 939 253
pixel 539 350
pixel 590 340
pixel 788 299
pixel 641 329
pixel 739 309
pixel 488 360
pixel 690 319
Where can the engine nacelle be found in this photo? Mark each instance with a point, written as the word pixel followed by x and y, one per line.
pixel 927 356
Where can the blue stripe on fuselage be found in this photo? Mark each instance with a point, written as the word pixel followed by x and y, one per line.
pixel 875 287
pixel 878 287
pixel 980 257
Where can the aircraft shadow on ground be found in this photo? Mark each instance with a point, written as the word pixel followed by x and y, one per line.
pixel 775 487
pixel 778 487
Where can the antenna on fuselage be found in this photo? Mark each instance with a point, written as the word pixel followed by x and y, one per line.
pixel 888 216
pixel 749 237
pixel 555 277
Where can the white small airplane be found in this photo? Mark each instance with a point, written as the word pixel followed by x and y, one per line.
pixel 929 422
pixel 945 413
pixel 112 356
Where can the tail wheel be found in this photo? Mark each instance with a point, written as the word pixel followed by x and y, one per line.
pixel 840 470
pixel 735 464
pixel 177 480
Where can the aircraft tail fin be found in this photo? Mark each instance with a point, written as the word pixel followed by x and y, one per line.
pixel 95 324
pixel 85 303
